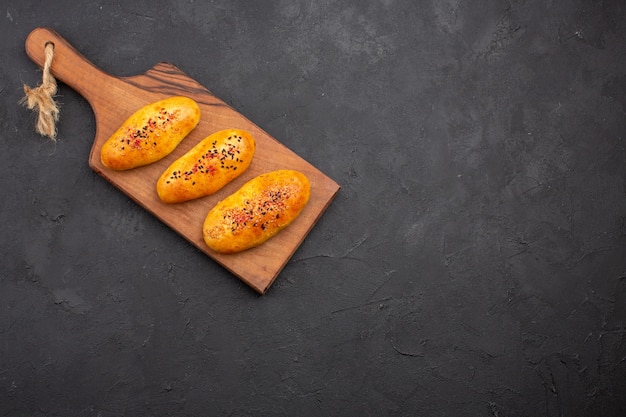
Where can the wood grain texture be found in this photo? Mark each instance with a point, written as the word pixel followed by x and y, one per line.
pixel 114 99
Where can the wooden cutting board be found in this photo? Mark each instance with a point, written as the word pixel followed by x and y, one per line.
pixel 114 99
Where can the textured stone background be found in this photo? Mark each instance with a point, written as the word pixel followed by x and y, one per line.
pixel 474 262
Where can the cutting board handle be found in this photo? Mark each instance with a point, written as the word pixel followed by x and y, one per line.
pixel 69 65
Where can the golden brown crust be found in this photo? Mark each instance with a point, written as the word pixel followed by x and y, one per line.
pixel 259 210
pixel 151 133
pixel 207 167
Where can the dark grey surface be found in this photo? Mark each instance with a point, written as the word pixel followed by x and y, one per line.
pixel 474 262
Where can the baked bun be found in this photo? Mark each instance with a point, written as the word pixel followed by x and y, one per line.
pixel 260 209
pixel 151 133
pixel 207 167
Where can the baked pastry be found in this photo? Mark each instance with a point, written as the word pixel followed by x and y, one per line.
pixel 260 209
pixel 151 133
pixel 207 167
